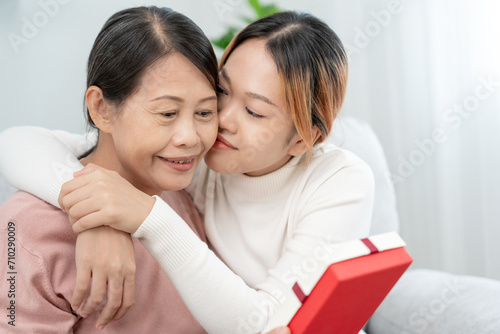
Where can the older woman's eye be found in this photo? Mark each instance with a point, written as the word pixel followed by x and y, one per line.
pixel 169 114
pixel 205 113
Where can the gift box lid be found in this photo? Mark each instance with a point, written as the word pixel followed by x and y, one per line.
pixel 346 286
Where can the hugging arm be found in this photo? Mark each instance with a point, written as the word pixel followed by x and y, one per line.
pixel 218 298
pixel 39 161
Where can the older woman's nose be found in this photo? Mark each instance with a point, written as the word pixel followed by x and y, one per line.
pixel 186 134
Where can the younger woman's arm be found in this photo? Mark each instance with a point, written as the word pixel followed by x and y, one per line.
pixel 222 301
pixel 39 161
pixel 339 209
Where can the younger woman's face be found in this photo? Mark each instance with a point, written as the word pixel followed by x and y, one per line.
pixel 166 127
pixel 255 134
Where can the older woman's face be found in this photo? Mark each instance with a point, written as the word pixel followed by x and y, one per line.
pixel 166 127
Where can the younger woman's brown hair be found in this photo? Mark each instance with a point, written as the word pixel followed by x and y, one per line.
pixel 312 65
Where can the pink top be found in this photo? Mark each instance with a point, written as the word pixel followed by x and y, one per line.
pixel 41 282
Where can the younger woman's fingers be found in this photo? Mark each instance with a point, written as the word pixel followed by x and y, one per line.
pixel 70 186
pixel 280 330
pixel 85 191
pixel 81 181
pixel 89 221
pixel 82 209
pixel 86 170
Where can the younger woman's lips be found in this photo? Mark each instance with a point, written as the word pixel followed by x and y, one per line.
pixel 222 144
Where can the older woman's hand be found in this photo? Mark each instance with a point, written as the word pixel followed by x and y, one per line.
pixel 108 257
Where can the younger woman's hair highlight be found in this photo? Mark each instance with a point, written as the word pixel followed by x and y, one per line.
pixel 312 65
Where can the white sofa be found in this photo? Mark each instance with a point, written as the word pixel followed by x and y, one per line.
pixel 423 301
pixel 358 137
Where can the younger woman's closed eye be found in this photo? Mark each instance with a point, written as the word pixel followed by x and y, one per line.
pixel 253 114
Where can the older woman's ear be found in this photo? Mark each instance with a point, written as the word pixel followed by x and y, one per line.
pixel 100 111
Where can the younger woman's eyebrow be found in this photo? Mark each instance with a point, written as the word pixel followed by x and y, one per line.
pixel 260 97
pixel 225 76
pixel 249 94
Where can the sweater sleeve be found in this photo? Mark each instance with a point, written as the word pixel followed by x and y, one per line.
pixel 39 161
pixel 219 299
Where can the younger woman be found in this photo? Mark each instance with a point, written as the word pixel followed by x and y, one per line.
pixel 270 191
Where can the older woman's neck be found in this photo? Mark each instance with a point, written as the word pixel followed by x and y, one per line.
pixel 105 156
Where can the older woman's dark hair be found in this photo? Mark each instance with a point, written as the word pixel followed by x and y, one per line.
pixel 133 39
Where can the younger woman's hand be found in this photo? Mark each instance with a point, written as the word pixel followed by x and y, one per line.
pixel 280 330
pixel 97 196
pixel 108 256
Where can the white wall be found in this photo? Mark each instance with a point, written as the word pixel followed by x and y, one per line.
pixel 42 78
pixel 42 81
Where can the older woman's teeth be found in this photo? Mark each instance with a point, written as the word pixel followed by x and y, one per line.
pixel 179 161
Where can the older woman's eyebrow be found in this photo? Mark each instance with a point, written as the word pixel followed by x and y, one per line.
pixel 180 99
pixel 209 98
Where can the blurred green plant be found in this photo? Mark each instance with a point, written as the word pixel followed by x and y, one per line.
pixel 259 11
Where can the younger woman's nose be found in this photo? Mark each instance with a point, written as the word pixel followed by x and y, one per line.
pixel 228 119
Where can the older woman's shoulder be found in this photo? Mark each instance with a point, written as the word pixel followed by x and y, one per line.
pixel 34 220
pixel 23 203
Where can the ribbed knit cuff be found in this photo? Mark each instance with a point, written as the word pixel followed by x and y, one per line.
pixel 53 194
pixel 167 237
pixel 61 175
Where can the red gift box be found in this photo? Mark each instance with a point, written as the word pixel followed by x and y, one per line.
pixel 341 298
